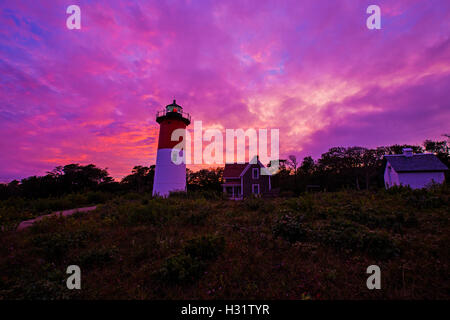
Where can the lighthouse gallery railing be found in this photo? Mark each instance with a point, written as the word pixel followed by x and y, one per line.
pixel 162 113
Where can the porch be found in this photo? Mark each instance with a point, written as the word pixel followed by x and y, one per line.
pixel 232 191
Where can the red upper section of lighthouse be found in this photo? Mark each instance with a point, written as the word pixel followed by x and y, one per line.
pixel 170 119
pixel 166 129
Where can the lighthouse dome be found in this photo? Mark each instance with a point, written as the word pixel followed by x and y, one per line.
pixel 174 107
pixel 173 111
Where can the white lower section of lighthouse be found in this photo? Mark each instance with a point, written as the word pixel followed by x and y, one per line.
pixel 169 177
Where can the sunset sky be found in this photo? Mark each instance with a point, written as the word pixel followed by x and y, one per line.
pixel 309 68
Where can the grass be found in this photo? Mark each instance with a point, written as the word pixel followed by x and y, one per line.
pixel 15 210
pixel 317 246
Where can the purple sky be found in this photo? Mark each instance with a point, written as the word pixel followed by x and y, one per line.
pixel 310 68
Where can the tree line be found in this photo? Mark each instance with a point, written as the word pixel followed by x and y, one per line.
pixel 76 178
pixel 339 167
pixel 351 167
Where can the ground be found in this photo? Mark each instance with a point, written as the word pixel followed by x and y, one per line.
pixel 316 246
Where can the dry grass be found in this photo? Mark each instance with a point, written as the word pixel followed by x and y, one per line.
pixel 317 246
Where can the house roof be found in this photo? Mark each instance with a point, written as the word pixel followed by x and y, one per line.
pixel 234 170
pixel 416 163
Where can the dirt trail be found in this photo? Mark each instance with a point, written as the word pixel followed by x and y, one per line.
pixel 28 223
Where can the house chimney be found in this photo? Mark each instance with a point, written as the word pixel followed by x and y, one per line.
pixel 407 152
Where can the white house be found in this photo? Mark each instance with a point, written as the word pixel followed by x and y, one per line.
pixel 414 170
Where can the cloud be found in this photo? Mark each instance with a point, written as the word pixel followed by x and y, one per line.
pixel 311 69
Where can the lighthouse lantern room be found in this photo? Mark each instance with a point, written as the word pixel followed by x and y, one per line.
pixel 169 176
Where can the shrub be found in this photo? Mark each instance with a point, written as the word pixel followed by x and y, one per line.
pixel 254 203
pixel 306 203
pixel 411 220
pixel 132 196
pixel 96 257
pixel 95 197
pixel 55 245
pixel 142 215
pixel 380 246
pixel 425 201
pixel 401 190
pixel 181 268
pixel 178 194
pixel 49 286
pixel 290 228
pixel 347 235
pixel 287 194
pixel 204 194
pixel 206 247
pixel 197 218
pixel 389 221
pixel 341 234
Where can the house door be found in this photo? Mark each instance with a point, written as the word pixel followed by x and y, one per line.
pixel 255 188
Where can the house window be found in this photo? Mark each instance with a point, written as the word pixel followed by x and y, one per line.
pixel 255 188
pixel 255 173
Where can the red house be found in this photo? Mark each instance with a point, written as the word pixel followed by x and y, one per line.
pixel 243 180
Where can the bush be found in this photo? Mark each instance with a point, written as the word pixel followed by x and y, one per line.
pixel 197 218
pixel 254 203
pixel 422 200
pixel 206 247
pixel 411 220
pixel 372 221
pixel 290 228
pixel 96 197
pixel 178 194
pixel 49 286
pixel 181 268
pixel 380 246
pixel 202 194
pixel 142 215
pixel 347 235
pixel 341 234
pixel 96 257
pixel 54 246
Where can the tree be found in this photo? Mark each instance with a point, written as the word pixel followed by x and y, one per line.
pixel 140 179
pixel 293 164
pixel 205 179
pixel 77 177
pixel 308 166
pixel 440 148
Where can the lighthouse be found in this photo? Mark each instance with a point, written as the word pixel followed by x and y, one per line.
pixel 169 175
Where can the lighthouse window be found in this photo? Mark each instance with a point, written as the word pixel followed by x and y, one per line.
pixel 255 173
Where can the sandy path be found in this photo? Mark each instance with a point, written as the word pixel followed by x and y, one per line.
pixel 28 223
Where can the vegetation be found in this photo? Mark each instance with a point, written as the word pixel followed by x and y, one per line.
pixel 198 245
pixel 315 246
pixel 354 168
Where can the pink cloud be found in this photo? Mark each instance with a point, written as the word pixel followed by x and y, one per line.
pixel 310 68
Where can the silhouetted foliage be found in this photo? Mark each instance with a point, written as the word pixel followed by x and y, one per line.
pixel 205 179
pixel 346 168
pixel 140 179
pixel 61 180
pixel 338 168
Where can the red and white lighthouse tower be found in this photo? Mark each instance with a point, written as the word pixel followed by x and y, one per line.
pixel 170 176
